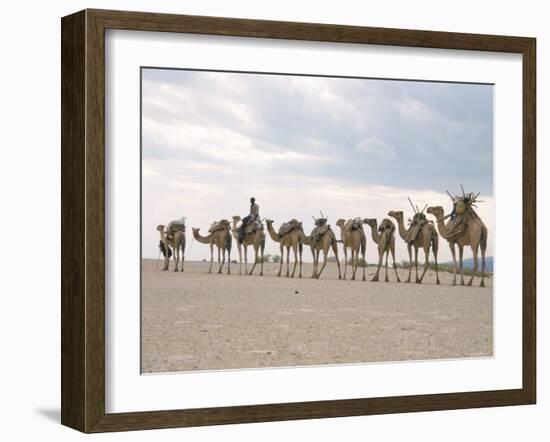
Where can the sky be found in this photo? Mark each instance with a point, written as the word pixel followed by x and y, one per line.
pixel 301 145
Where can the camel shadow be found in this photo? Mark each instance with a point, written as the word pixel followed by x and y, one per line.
pixel 51 414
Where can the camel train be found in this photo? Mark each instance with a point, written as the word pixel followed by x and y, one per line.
pixel 463 228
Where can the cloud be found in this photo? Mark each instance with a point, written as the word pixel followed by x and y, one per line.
pixel 376 148
pixel 417 110
pixel 348 147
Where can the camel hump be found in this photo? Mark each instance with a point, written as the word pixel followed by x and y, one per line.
pixel 353 224
pixel 288 227
pixel 222 224
pixel 176 226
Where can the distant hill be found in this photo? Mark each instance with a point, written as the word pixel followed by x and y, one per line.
pixel 469 263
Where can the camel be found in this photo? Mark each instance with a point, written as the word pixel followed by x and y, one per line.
pixel 176 242
pixel 427 237
pixel 222 240
pixel 355 240
pixel 256 240
pixel 474 235
pixel 386 244
pixel 290 240
pixel 323 243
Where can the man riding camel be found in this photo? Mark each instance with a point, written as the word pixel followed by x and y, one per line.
pixel 252 217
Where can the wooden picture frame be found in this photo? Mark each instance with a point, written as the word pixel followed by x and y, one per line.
pixel 83 220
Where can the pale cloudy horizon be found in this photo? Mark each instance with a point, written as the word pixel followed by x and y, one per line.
pixel 299 144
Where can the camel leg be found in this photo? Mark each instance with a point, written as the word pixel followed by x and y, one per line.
pixel 211 257
pixel 386 279
pixel 262 248
pixel 353 264
pixel 176 258
pixel 482 283
pixel 281 260
pixel 325 255
pixel 436 269
pixel 394 264
pixel 221 254
pixel 288 261
pixel 295 252
pixel 335 251
pixel 380 260
pixel 364 265
pixel 262 256
pixel 409 248
pixel 314 253
pixel 453 253
pixel 426 263
pixel 474 252
pixel 255 260
pixel 461 262
pixel 229 261
pixel 416 263
pixel 345 261
pixel 245 259
pixel 354 256
pixel 300 255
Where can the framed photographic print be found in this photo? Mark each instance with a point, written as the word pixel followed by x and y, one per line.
pixel 270 220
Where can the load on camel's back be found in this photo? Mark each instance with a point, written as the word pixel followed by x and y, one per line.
pixel 289 227
pixel 463 212
pixel 176 226
pixel 222 224
pixel 321 227
pixel 416 224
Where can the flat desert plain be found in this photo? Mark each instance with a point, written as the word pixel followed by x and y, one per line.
pixel 199 321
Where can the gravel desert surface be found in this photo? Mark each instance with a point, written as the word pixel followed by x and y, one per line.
pixel 199 321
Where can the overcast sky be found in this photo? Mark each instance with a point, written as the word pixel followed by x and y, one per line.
pixel 300 145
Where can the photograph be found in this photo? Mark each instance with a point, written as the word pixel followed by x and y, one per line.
pixel 302 220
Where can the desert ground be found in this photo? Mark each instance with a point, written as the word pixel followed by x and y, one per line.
pixel 199 321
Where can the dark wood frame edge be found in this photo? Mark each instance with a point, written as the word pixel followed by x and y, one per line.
pixel 83 211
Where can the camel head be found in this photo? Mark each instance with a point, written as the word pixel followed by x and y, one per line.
pixel 370 221
pixel 236 218
pixel 340 222
pixel 397 214
pixel 436 211
pixel 195 230
pixel 386 224
pixel 269 221
pixel 160 227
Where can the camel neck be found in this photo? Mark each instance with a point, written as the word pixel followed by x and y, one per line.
pixel 274 235
pixel 402 231
pixel 442 227
pixel 202 239
pixel 374 233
